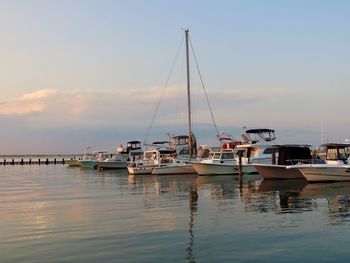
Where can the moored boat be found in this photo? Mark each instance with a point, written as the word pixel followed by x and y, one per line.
pixel 91 162
pixel 151 159
pixel 335 167
pixel 218 163
pixel 117 161
pixel 288 156
pixel 255 148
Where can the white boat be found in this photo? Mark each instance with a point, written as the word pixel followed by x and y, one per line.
pixel 132 150
pixel 91 162
pixel 281 166
pixel 218 163
pixel 179 162
pixel 117 161
pixel 151 159
pixel 256 148
pixel 335 168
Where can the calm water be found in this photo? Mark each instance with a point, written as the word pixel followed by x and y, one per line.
pixel 60 214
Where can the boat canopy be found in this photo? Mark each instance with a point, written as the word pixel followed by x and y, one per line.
pixel 293 153
pixel 259 130
pixel 257 135
pixel 133 145
pixel 160 142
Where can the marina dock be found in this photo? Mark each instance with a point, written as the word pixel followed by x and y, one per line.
pixel 46 161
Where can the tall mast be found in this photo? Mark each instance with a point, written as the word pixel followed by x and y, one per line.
pixel 188 97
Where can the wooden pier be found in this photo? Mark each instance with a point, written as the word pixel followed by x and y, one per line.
pixel 32 161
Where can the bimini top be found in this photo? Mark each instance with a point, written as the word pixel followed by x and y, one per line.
pixel 259 130
pixel 160 142
pixel 258 135
pixel 134 142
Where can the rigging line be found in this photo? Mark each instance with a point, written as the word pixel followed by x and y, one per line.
pixel 162 93
pixel 205 92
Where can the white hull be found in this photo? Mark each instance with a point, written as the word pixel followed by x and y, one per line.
pixel 278 171
pixel 112 165
pixel 140 170
pixel 323 173
pixel 215 169
pixel 174 169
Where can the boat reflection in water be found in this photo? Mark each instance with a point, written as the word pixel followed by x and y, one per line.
pixel 332 200
pixel 214 206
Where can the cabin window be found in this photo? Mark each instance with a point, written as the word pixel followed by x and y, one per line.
pixel 184 151
pixel 269 151
pixel 332 154
pixel 227 156
pixel 342 155
pixel 216 156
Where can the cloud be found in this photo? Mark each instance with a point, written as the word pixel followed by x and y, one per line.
pixel 79 106
pixel 58 119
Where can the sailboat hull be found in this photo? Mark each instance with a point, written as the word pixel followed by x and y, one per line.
pixel 174 169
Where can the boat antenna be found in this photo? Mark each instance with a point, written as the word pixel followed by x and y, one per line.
pixel 205 92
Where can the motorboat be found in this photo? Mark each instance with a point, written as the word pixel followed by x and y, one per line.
pixel 117 161
pixel 336 165
pixel 173 166
pixel 221 161
pixel 179 161
pixel 256 147
pixel 151 159
pixel 133 150
pixel 281 167
pixel 91 162
pixel 218 163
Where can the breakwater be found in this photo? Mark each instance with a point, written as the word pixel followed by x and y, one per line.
pixel 36 159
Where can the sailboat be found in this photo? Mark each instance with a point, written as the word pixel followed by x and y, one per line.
pixel 176 165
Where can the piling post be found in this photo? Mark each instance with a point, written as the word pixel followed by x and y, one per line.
pixel 54 161
pixel 39 161
pixel 47 161
pixel 21 162
pixel 4 161
pixel 13 161
pixel 240 171
pixel 63 161
pixel 30 161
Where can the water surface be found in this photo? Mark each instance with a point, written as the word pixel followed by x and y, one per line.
pixel 60 214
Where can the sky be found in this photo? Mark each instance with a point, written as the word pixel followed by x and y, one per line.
pixel 91 73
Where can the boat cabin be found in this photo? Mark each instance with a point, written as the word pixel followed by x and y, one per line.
pixel 181 144
pixel 290 154
pixel 335 153
pixel 222 156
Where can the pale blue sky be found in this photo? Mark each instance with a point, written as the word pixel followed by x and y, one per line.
pixel 78 73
